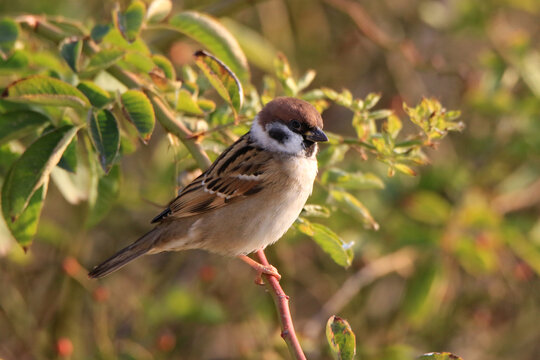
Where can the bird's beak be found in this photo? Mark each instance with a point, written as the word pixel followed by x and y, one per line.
pixel 315 135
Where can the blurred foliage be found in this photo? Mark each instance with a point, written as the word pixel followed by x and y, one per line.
pixel 469 219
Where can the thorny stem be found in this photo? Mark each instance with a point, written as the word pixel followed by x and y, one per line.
pixel 282 304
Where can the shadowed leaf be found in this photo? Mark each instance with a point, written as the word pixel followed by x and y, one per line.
pixel 32 170
pixel 129 22
pixel 17 124
pixel 9 31
pixel 97 96
pixel 71 49
pixel 105 136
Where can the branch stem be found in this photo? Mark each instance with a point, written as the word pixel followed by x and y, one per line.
pixel 282 304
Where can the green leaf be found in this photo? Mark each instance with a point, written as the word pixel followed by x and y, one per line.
pixel 351 204
pixel 206 105
pixel 158 10
pixel 44 90
pixel 17 124
pixel 340 251
pixel 97 96
pixel 103 60
pixel 138 109
pixel 341 338
pixel 129 23
pixel 138 62
pixel 166 66
pixel 68 161
pixel 70 50
pixel 405 169
pixel 32 170
pixel 352 181
pixel 105 137
pixel 215 37
pixel 440 356
pixel 222 79
pixel 423 294
pixel 17 61
pixel 24 228
pixel 306 79
pixel 103 196
pixel 99 32
pixel 187 104
pixel 9 31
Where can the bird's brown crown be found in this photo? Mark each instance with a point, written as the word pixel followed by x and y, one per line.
pixel 287 109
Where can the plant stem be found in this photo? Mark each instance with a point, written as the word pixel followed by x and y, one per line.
pixel 282 304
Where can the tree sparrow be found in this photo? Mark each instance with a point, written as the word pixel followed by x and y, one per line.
pixel 248 198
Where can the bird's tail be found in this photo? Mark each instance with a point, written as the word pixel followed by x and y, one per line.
pixel 127 254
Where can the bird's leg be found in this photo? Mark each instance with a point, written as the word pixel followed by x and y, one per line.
pixel 260 268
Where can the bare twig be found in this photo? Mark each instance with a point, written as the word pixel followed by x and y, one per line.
pixel 282 304
pixel 401 260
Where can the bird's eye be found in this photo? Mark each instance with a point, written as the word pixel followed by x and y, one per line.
pixel 295 124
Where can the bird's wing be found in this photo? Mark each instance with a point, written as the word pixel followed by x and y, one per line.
pixel 240 171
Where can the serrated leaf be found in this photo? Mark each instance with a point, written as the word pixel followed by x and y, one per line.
pixel 341 338
pixel 32 170
pixel 44 90
pixel 129 22
pixel 158 10
pixel 24 228
pixel 97 96
pixel 105 137
pixel 340 251
pixel 103 60
pixel 215 37
pixel 103 196
pixel 9 31
pixel 440 356
pixel 139 111
pixel 166 66
pixel 70 50
pixel 352 181
pixel 350 204
pixel 222 78
pixel 17 124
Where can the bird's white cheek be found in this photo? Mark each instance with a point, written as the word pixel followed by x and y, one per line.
pixel 291 143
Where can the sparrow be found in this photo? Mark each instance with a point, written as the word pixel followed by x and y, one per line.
pixel 248 198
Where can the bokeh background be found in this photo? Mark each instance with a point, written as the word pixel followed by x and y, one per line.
pixel 454 266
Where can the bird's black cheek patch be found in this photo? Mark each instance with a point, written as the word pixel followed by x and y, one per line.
pixel 278 135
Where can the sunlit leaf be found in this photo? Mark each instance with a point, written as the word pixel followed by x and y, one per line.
pixel 17 61
pixel 103 60
pixel 341 338
pixel 32 170
pixel 44 90
pixel 405 169
pixel 305 80
pixel 215 37
pixel 139 111
pixel 103 196
pixel 221 78
pixel 352 205
pixel 158 10
pixel 105 137
pixel 187 104
pixel 129 22
pixel 17 124
pixel 313 210
pixel 71 49
pixel 352 181
pixel 97 96
pixel 340 251
pixel 428 207
pixel 9 31
pixel 165 65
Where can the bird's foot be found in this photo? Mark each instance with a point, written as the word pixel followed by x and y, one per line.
pixel 260 269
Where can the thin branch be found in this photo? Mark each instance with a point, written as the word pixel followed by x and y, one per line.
pixel 401 260
pixel 282 304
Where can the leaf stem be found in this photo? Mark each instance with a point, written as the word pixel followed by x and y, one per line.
pixel 282 304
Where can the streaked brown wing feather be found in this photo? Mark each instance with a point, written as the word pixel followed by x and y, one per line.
pixel 240 171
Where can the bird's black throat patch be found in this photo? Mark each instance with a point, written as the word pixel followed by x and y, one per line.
pixel 278 134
